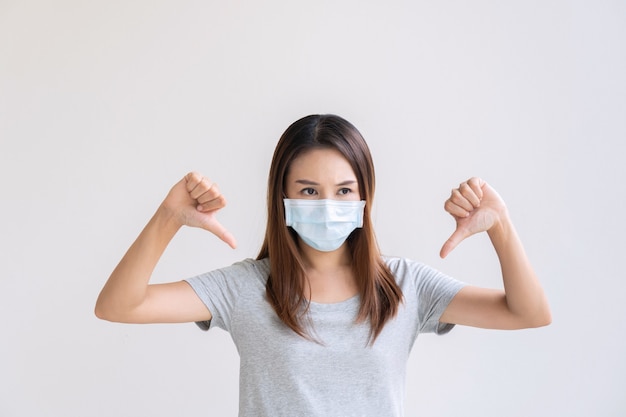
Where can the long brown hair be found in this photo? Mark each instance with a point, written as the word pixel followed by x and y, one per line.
pixel 379 293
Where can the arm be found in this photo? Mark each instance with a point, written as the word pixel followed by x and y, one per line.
pixel 127 296
pixel 476 207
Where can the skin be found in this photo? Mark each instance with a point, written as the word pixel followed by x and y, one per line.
pixel 522 303
pixel 323 174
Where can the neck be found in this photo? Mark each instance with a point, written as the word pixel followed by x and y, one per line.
pixel 329 274
pixel 318 261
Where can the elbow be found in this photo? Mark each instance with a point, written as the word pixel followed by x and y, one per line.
pixel 110 315
pixel 113 310
pixel 541 319
pixel 539 323
pixel 102 312
pixel 544 316
pixel 530 318
pixel 535 315
pixel 105 311
pixel 546 320
pixel 102 309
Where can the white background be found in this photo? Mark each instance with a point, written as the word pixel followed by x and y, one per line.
pixel 105 105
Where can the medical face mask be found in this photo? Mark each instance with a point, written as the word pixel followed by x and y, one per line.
pixel 324 224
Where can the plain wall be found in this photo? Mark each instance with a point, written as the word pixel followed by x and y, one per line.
pixel 105 105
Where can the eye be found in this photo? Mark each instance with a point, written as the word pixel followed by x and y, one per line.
pixel 344 191
pixel 308 191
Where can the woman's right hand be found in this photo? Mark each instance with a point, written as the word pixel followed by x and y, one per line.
pixel 194 201
pixel 127 296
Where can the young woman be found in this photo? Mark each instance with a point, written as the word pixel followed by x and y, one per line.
pixel 322 321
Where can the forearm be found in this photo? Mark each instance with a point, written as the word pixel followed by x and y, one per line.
pixel 127 286
pixel 525 297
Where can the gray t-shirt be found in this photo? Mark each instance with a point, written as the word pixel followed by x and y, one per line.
pixel 283 374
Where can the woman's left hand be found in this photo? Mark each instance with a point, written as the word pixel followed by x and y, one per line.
pixel 476 207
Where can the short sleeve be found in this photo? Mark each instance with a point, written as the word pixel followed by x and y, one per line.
pixel 433 291
pixel 220 290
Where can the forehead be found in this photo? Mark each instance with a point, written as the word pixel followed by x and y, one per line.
pixel 321 164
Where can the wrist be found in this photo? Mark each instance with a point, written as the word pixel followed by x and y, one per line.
pixel 501 229
pixel 165 219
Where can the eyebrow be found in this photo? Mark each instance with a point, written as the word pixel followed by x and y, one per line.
pixel 309 182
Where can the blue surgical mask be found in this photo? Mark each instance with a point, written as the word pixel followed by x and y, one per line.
pixel 323 224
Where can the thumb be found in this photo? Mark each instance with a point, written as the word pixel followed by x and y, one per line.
pixel 221 232
pixel 227 237
pixel 457 237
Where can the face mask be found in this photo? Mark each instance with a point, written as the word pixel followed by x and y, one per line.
pixel 324 224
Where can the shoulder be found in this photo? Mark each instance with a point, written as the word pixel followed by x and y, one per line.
pixel 241 273
pixel 247 267
pixel 403 267
pixel 419 276
pixel 259 268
